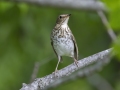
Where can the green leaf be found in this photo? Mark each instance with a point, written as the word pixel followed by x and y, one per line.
pixel 4 6
pixel 116 46
pixel 114 13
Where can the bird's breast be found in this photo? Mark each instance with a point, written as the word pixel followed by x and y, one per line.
pixel 62 41
pixel 64 47
pixel 63 44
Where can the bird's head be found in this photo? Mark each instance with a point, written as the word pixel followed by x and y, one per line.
pixel 63 19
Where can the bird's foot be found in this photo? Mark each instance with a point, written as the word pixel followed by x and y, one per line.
pixel 76 62
pixel 55 73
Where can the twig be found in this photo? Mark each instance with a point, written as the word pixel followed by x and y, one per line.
pixel 77 4
pixel 99 82
pixel 106 24
pixel 41 83
pixel 37 65
pixel 35 71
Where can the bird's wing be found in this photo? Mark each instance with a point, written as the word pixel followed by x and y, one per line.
pixel 75 48
pixel 53 47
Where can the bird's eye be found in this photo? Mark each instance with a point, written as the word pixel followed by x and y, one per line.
pixel 60 17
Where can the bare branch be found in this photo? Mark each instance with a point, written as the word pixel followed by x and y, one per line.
pixel 86 71
pixel 106 24
pixel 74 4
pixel 43 82
pixel 37 65
pixel 101 83
pixel 35 71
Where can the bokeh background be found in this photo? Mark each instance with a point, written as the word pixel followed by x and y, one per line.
pixel 25 39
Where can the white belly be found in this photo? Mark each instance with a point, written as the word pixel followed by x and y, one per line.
pixel 65 48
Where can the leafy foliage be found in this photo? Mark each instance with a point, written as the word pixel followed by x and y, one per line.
pixel 114 14
pixel 114 18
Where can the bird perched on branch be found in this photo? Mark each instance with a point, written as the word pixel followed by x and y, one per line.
pixel 63 41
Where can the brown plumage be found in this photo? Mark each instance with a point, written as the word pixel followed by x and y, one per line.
pixel 63 41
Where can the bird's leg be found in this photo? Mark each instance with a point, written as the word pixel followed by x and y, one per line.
pixel 76 62
pixel 56 70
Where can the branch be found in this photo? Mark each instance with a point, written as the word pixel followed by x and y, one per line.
pixel 74 4
pixel 100 84
pixel 41 83
pixel 35 71
pixel 106 24
pixel 37 65
pixel 86 71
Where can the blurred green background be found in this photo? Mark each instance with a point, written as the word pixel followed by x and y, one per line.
pixel 25 39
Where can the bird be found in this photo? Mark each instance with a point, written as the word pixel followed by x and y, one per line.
pixel 63 41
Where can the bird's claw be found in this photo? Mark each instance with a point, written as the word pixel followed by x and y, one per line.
pixel 76 62
pixel 55 73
